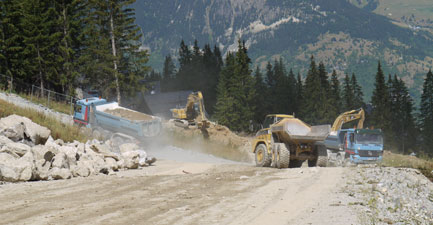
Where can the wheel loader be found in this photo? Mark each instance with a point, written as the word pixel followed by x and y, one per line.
pixel 193 115
pixel 285 141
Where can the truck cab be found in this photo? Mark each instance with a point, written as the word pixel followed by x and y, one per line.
pixel 83 110
pixel 362 145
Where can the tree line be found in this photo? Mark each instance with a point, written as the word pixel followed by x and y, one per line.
pixel 64 44
pixel 238 96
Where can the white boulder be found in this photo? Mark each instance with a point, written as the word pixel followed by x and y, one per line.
pixel 16 148
pixel 37 133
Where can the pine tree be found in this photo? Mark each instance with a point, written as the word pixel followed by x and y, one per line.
pixel 299 96
pixel 236 94
pixel 380 101
pixel 113 58
pixel 348 96
pixel 11 40
pixel 403 127
pixel 42 58
pixel 292 100
pixel 70 22
pixel 261 98
pixel 271 83
pixel 168 74
pixel 312 95
pixel 335 94
pixel 358 96
pixel 426 117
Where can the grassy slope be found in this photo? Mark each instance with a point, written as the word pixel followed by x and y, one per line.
pixel 395 9
pixel 425 166
pixel 58 130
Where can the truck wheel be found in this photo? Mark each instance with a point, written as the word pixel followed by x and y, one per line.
pixel 322 156
pixel 283 156
pixel 274 158
pixel 262 157
pixel 322 161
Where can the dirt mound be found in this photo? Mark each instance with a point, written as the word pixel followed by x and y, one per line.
pixel 221 142
pixel 128 114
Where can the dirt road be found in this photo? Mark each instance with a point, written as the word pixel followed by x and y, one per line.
pixel 183 193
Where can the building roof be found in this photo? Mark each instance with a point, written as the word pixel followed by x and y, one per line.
pixel 160 104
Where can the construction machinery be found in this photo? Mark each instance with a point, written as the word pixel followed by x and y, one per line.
pixel 108 119
pixel 193 115
pixel 355 145
pixel 285 141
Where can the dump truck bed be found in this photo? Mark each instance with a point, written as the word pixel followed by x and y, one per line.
pixel 295 130
pixel 119 119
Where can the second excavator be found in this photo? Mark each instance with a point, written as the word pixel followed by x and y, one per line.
pixel 193 115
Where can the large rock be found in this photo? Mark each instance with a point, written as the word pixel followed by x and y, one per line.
pixel 57 173
pixel 38 134
pixel 18 149
pixel 42 168
pixel 131 159
pixel 44 152
pixel 83 168
pixel 104 150
pixel 13 170
pixel 111 163
pixel 15 132
pixel 71 154
pixel 4 140
pixel 127 147
pixel 60 161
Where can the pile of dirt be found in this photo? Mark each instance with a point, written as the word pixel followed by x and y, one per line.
pixel 128 114
pixel 221 141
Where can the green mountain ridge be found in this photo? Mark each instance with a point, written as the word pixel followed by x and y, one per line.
pixel 345 37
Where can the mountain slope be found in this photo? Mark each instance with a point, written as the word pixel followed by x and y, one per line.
pixel 345 37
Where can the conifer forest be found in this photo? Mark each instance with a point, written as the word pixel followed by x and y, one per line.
pixel 65 44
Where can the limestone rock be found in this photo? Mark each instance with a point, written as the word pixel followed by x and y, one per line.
pixel 38 134
pixel 41 152
pixel 82 169
pixel 16 148
pixel 132 159
pixel 57 173
pixel 4 140
pixel 104 150
pixel 60 161
pixel 42 168
pixel 111 163
pixel 14 132
pixel 71 154
pixel 13 169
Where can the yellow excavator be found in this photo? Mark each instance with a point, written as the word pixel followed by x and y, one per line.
pixel 346 117
pixel 193 115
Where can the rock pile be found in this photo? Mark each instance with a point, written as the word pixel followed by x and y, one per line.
pixel 392 195
pixel 28 152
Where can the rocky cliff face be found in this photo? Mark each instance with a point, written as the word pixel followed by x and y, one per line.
pixel 343 36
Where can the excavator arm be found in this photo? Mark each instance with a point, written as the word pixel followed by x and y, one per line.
pixel 348 117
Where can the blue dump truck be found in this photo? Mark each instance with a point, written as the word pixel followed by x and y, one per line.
pixel 354 146
pixel 110 120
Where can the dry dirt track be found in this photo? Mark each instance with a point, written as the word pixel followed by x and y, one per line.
pixel 183 193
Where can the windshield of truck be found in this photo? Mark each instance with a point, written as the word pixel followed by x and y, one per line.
pixel 77 108
pixel 369 139
pixel 268 122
